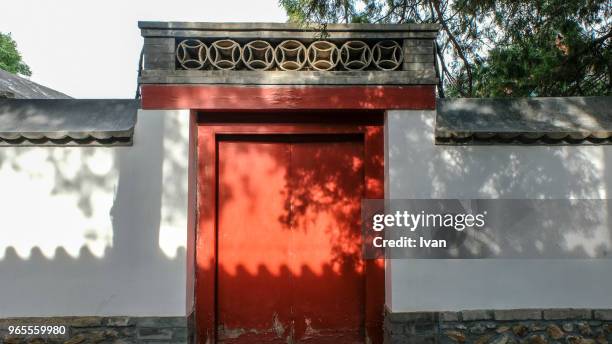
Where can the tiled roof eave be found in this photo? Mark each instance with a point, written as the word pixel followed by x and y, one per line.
pixel 67 122
pixel 544 121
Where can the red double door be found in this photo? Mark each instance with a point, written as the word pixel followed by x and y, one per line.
pixel 289 266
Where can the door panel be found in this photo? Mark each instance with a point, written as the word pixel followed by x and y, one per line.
pixel 253 282
pixel 289 260
pixel 326 190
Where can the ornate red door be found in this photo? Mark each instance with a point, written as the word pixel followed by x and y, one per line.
pixel 289 267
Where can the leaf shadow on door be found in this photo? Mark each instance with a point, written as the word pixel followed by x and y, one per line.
pixel 289 256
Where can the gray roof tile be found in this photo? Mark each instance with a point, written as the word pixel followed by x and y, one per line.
pixel 554 120
pixel 67 121
pixel 14 86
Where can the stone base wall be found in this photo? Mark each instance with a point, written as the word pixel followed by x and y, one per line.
pixel 519 326
pixel 117 330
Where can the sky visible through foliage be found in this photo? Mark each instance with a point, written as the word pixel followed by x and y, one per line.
pixel 496 48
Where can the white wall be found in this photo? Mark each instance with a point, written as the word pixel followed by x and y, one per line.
pixel 102 231
pixel 416 168
pixel 96 230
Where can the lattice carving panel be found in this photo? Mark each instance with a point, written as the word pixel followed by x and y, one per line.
pixel 288 55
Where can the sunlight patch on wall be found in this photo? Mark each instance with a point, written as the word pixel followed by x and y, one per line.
pixel 173 225
pixel 56 197
pixel 587 164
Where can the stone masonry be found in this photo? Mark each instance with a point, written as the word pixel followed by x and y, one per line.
pixel 89 330
pixel 518 326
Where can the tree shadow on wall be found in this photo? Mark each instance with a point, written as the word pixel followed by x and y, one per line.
pixel 129 273
pixel 509 172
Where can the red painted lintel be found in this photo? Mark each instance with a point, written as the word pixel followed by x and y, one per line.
pixel 219 97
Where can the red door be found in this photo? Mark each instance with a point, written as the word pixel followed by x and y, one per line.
pixel 289 266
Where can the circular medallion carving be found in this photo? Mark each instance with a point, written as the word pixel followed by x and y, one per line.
pixel 323 55
pixel 258 55
pixel 387 55
pixel 290 55
pixel 192 54
pixel 224 54
pixel 355 55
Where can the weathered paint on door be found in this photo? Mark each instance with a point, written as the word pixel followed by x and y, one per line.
pixel 289 266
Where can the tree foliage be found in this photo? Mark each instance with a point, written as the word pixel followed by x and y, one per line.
pixel 496 48
pixel 10 58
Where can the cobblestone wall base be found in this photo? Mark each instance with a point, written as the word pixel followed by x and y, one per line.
pixel 516 326
pixel 103 330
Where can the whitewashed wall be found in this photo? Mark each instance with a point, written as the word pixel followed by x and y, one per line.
pixel 96 230
pixel 416 168
pixel 102 231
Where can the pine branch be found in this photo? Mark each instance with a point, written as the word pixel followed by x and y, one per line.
pixel 458 48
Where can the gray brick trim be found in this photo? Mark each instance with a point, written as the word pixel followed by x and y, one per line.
pixel 518 314
pixel 567 313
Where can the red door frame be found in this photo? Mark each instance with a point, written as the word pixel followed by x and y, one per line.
pixel 205 281
pixel 201 250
